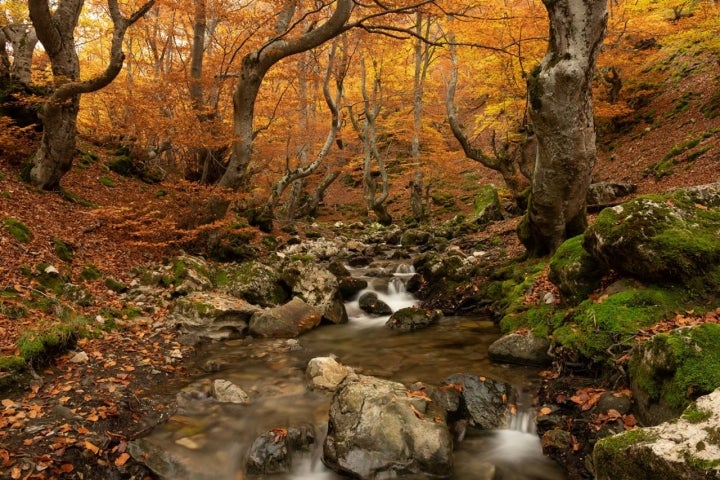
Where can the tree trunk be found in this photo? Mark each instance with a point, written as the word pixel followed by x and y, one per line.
pixel 59 113
pixel 255 66
pixel 23 40
pixel 561 112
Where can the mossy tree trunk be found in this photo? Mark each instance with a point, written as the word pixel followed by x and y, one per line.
pixel 561 112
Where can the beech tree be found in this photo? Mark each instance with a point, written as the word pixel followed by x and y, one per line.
pixel 561 112
pixel 55 30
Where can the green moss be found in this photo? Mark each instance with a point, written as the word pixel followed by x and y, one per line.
pixel 90 273
pixel 574 270
pixel 74 198
pixel 64 251
pixel 12 363
pixel 690 365
pixel 122 165
pixel 39 346
pixel 693 414
pixel 610 446
pixel 107 181
pixel 115 285
pixel 18 230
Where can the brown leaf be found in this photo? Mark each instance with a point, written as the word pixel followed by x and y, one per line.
pixel 417 412
pixel 93 448
pixel 67 467
pixel 122 459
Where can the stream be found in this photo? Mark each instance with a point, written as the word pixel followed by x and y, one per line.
pixel 210 440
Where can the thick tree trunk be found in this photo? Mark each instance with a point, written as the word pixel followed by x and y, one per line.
pixel 561 112
pixel 23 40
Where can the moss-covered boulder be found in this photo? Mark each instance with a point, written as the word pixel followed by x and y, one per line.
pixel 672 369
pixel 486 205
pixel 661 238
pixel 575 272
pixel 687 448
pixel 257 283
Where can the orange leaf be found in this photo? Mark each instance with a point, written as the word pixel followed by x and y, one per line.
pixel 93 448
pixel 544 411
pixel 122 459
pixel 67 467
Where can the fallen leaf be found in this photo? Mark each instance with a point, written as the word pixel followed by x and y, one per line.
pixel 544 411
pixel 67 467
pixel 122 459
pixel 417 412
pixel 7 403
pixel 93 448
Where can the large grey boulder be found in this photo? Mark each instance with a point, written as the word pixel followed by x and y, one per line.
pixel 378 429
pixel 318 287
pixel 212 315
pixel 602 194
pixel 687 448
pixel 286 321
pixel 662 238
pixel 671 369
pixel 481 400
pixel 520 349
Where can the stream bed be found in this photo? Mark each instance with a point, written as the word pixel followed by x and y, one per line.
pixel 210 440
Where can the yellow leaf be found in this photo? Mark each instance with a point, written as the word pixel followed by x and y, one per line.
pixel 93 448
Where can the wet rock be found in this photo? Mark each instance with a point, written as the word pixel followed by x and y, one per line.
pixel 520 349
pixel 377 430
pixel 286 321
pixel 413 318
pixel 227 392
pixel 483 401
pixel 686 448
pixel 672 369
pixel 326 373
pixel 318 287
pixel 602 194
pixel 610 401
pixel 349 286
pixel 370 303
pixel 211 315
pixel 661 238
pixel 556 442
pixel 270 453
pixel 359 261
pixel 337 268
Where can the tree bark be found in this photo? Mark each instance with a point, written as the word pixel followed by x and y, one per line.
pixel 255 66
pixel 59 113
pixel 561 112
pixel 23 40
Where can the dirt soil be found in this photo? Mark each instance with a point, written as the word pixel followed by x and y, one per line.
pixel 72 417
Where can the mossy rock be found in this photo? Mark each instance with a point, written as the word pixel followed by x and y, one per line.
pixel 443 199
pixel 63 250
pixel 18 230
pixel 672 369
pixel 90 273
pixel 37 347
pixel 575 272
pixel 414 237
pixel 670 238
pixel 486 205
pixel 596 327
pixel 256 283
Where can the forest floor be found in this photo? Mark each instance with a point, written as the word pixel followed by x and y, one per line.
pixel 73 418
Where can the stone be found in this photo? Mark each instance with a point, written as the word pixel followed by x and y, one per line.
pixel 370 303
pixel 256 283
pixel 349 286
pixel 486 206
pixel 212 315
pixel 318 287
pixel 227 392
pixel 574 271
pixel 269 454
pixel 484 401
pixel 286 321
pixel 378 430
pixel 669 238
pixel 686 448
pixel 520 349
pixel 602 194
pixel 194 274
pixel 326 373
pixel 413 318
pixel 672 369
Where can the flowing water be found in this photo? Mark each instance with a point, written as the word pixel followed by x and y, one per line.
pixel 212 439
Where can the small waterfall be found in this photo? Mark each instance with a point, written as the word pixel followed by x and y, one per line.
pixel 522 421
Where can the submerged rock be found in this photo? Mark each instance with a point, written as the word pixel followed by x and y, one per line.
pixel 378 430
pixel 684 449
pixel 227 392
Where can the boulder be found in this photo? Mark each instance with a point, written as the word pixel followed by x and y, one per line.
pixel 413 318
pixel 672 369
pixel 349 286
pixel 602 194
pixel 269 454
pixel 520 349
pixel 486 206
pixel 483 401
pixel 213 315
pixel 660 238
pixel 574 271
pixel 414 237
pixel 378 429
pixel 192 274
pixel 318 287
pixel 326 373
pixel 286 321
pixel 683 449
pixel 370 303
pixel 257 283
